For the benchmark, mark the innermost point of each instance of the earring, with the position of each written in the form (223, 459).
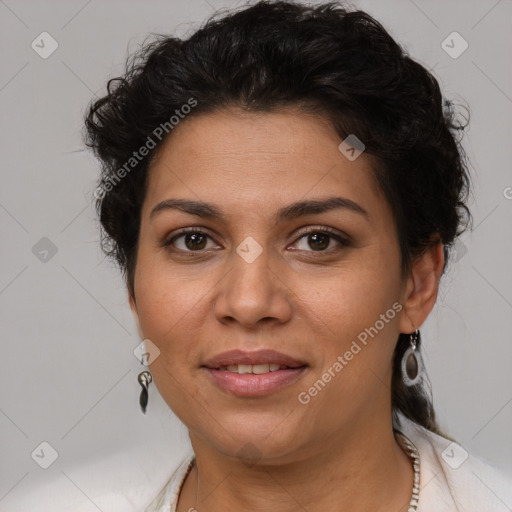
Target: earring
(144, 379)
(412, 363)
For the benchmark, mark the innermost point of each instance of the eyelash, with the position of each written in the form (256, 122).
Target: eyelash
(344, 241)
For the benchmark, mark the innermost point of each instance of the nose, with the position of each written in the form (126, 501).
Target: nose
(253, 291)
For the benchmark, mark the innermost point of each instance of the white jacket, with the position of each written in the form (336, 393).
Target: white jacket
(449, 482)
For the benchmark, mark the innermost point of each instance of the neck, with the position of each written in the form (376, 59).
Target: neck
(362, 470)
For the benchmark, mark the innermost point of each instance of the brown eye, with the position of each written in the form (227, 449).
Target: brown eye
(189, 241)
(320, 240)
(194, 241)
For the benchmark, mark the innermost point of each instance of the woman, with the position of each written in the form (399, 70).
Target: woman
(280, 191)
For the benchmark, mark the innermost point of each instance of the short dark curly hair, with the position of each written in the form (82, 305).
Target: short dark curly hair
(324, 59)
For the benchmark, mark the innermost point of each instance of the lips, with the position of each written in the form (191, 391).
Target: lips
(253, 374)
(257, 358)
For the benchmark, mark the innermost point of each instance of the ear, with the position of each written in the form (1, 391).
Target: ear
(133, 307)
(422, 285)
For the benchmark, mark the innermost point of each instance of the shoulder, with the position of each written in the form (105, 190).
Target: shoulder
(116, 482)
(452, 479)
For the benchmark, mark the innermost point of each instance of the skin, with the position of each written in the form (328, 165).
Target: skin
(337, 451)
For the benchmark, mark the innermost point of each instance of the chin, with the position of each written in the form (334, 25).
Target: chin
(255, 439)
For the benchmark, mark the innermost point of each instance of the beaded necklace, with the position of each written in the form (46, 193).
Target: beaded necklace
(413, 454)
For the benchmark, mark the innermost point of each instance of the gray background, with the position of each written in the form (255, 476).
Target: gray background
(68, 373)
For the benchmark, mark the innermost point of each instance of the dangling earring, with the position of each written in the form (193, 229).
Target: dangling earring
(144, 378)
(412, 363)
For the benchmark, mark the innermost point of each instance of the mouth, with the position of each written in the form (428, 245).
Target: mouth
(255, 369)
(253, 374)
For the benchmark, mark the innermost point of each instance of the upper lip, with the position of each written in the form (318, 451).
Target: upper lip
(265, 356)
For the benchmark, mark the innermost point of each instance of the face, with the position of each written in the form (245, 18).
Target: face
(319, 285)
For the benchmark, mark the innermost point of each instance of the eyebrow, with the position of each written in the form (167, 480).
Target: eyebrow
(290, 212)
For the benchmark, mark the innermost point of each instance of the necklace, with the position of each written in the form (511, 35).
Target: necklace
(413, 454)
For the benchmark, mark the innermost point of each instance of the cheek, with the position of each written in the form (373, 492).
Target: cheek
(354, 311)
(168, 308)
(168, 313)
(354, 330)
(164, 295)
(346, 300)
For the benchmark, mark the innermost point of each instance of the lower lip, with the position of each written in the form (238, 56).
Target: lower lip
(249, 384)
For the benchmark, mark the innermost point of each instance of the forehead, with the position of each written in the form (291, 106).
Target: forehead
(242, 135)
(259, 160)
